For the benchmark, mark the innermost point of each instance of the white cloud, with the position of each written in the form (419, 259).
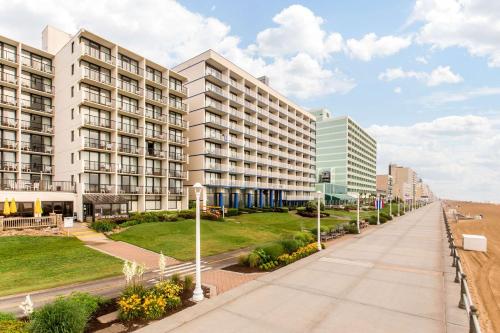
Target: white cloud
(456, 155)
(472, 25)
(440, 98)
(299, 30)
(440, 75)
(422, 60)
(371, 46)
(397, 90)
(169, 33)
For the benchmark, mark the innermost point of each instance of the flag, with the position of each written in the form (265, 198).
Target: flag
(379, 203)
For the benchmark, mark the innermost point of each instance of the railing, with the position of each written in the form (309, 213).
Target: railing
(177, 105)
(8, 122)
(131, 189)
(99, 188)
(177, 174)
(37, 64)
(173, 138)
(96, 121)
(152, 171)
(128, 128)
(460, 277)
(129, 149)
(37, 167)
(36, 127)
(178, 87)
(156, 115)
(8, 55)
(97, 76)
(98, 54)
(97, 144)
(155, 96)
(155, 134)
(8, 166)
(176, 121)
(177, 156)
(129, 107)
(175, 190)
(155, 190)
(37, 148)
(129, 87)
(8, 77)
(33, 84)
(37, 106)
(6, 99)
(98, 166)
(155, 153)
(43, 185)
(129, 67)
(29, 222)
(97, 98)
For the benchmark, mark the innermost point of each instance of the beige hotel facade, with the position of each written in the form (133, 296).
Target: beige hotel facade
(92, 128)
(249, 145)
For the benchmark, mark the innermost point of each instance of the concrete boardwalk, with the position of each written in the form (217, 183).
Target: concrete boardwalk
(394, 278)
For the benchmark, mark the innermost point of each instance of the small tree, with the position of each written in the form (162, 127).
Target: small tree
(312, 206)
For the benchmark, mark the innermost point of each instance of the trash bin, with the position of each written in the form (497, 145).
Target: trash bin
(68, 222)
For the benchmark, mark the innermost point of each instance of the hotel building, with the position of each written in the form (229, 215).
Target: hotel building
(249, 145)
(92, 117)
(404, 182)
(346, 158)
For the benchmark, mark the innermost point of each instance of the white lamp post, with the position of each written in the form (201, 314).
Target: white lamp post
(377, 203)
(390, 205)
(357, 213)
(319, 219)
(198, 292)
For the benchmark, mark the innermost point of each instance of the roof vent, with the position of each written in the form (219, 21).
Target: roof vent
(264, 79)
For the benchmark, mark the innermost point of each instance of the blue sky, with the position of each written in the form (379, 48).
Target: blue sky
(420, 75)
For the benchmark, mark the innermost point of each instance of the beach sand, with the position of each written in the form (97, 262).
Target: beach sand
(482, 269)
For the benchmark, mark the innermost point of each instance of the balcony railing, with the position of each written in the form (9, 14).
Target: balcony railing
(98, 54)
(37, 64)
(43, 185)
(35, 85)
(97, 76)
(8, 77)
(9, 100)
(129, 107)
(129, 189)
(130, 87)
(152, 134)
(155, 190)
(131, 68)
(8, 166)
(215, 151)
(129, 168)
(215, 167)
(8, 122)
(177, 174)
(98, 166)
(175, 191)
(128, 128)
(8, 144)
(177, 105)
(129, 149)
(156, 115)
(97, 98)
(212, 72)
(155, 97)
(155, 153)
(154, 77)
(97, 144)
(176, 121)
(152, 171)
(178, 87)
(177, 156)
(37, 167)
(173, 138)
(37, 147)
(96, 121)
(36, 106)
(8, 55)
(99, 188)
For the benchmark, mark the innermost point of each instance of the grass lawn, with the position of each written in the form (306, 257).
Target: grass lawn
(32, 263)
(177, 239)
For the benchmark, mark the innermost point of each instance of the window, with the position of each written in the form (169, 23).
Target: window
(72, 113)
(72, 91)
(72, 158)
(72, 69)
(72, 47)
(72, 136)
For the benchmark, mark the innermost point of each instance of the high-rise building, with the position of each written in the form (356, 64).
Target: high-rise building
(346, 157)
(249, 145)
(89, 117)
(404, 182)
(384, 186)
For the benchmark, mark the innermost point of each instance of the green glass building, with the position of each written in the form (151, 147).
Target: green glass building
(346, 158)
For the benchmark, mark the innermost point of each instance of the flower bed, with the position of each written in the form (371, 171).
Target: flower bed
(302, 252)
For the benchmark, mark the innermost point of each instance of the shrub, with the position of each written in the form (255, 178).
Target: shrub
(290, 245)
(351, 228)
(304, 238)
(168, 217)
(243, 260)
(232, 212)
(175, 278)
(273, 250)
(210, 216)
(253, 259)
(13, 326)
(4, 316)
(187, 214)
(129, 223)
(268, 265)
(314, 231)
(62, 316)
(87, 302)
(372, 220)
(188, 282)
(312, 206)
(103, 225)
(281, 210)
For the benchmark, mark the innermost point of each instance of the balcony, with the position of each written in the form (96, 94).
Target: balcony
(215, 182)
(130, 88)
(129, 149)
(179, 157)
(37, 148)
(98, 166)
(8, 78)
(216, 167)
(99, 99)
(8, 100)
(179, 139)
(177, 174)
(37, 168)
(8, 144)
(37, 65)
(155, 153)
(235, 169)
(99, 55)
(177, 105)
(177, 191)
(215, 91)
(8, 55)
(44, 185)
(215, 136)
(128, 128)
(158, 79)
(153, 171)
(235, 155)
(178, 122)
(8, 122)
(218, 122)
(236, 85)
(9, 166)
(155, 190)
(215, 151)
(97, 144)
(95, 121)
(129, 67)
(155, 135)
(38, 86)
(128, 169)
(129, 189)
(216, 106)
(97, 76)
(156, 115)
(216, 75)
(99, 188)
(129, 108)
(179, 88)
(156, 97)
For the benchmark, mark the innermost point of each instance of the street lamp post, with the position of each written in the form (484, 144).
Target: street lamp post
(377, 203)
(198, 292)
(390, 205)
(319, 219)
(357, 216)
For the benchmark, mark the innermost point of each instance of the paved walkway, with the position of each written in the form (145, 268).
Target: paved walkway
(393, 279)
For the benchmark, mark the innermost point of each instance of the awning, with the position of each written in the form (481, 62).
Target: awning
(104, 199)
(339, 196)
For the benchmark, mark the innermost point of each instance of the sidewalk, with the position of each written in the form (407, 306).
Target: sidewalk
(394, 279)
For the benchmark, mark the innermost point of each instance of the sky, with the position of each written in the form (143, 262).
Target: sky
(422, 76)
